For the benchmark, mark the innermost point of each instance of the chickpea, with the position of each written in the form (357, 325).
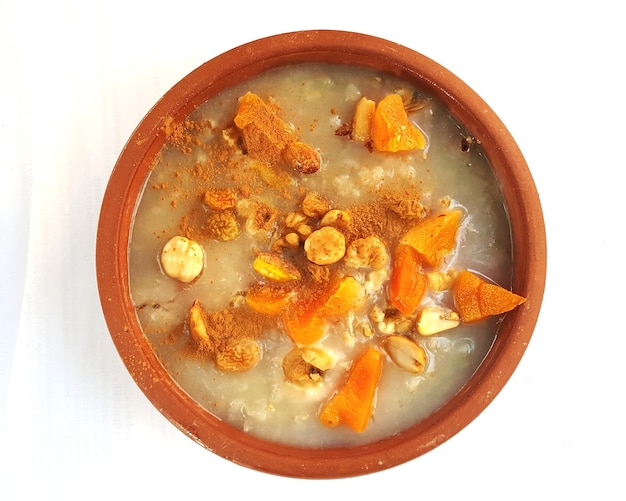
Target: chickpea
(325, 246)
(182, 259)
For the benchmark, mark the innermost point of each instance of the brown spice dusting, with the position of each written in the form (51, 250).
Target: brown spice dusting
(265, 218)
(268, 138)
(184, 135)
(230, 325)
(345, 129)
(391, 214)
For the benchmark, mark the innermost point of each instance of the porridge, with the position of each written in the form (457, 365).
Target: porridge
(321, 255)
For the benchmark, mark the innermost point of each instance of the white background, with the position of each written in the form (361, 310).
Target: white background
(78, 76)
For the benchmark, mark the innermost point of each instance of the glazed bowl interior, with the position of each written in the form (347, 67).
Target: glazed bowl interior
(124, 191)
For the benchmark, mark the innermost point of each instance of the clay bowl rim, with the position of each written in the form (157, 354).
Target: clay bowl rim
(128, 177)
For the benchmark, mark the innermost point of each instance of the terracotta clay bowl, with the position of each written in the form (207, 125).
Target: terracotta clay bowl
(124, 190)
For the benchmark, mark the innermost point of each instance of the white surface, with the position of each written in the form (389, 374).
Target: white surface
(78, 76)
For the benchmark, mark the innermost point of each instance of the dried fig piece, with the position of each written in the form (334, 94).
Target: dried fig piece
(306, 365)
(238, 356)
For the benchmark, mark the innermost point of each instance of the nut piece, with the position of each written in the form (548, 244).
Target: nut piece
(325, 246)
(314, 206)
(362, 122)
(260, 217)
(238, 356)
(223, 199)
(275, 268)
(434, 319)
(369, 252)
(441, 280)
(406, 353)
(292, 240)
(337, 218)
(295, 219)
(306, 365)
(223, 226)
(289, 241)
(182, 259)
(302, 157)
(391, 321)
(304, 230)
(197, 326)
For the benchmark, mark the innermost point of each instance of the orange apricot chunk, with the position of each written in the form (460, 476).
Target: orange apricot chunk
(434, 237)
(268, 300)
(476, 299)
(407, 282)
(264, 133)
(269, 138)
(304, 330)
(353, 404)
(349, 296)
(391, 128)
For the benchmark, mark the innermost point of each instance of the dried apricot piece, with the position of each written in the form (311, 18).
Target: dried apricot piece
(466, 291)
(268, 300)
(304, 330)
(348, 297)
(476, 298)
(495, 300)
(269, 138)
(265, 134)
(391, 128)
(353, 404)
(434, 237)
(407, 283)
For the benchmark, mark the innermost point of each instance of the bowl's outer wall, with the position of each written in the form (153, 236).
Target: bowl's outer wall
(125, 187)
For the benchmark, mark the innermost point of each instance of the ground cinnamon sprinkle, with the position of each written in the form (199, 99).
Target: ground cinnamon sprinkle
(184, 135)
(253, 170)
(392, 213)
(269, 139)
(229, 326)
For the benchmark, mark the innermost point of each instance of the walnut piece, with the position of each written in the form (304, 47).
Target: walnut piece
(295, 219)
(369, 252)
